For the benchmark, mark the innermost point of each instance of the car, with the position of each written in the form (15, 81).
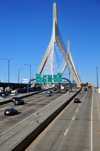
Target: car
(66, 89)
(18, 101)
(76, 100)
(50, 91)
(85, 89)
(2, 97)
(14, 92)
(10, 111)
(58, 90)
(15, 98)
(55, 89)
(48, 94)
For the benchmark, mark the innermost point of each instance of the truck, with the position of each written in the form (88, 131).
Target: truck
(89, 85)
(14, 92)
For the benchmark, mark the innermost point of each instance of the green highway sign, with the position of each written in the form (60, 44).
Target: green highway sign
(43, 78)
(57, 78)
(48, 78)
(38, 75)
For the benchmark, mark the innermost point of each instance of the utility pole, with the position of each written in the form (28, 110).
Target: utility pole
(97, 79)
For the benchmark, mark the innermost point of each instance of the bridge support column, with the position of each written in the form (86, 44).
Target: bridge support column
(3, 89)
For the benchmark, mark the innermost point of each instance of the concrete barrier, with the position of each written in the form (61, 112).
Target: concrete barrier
(31, 136)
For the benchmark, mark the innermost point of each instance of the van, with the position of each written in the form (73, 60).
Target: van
(14, 92)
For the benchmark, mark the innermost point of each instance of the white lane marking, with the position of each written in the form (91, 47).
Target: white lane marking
(73, 118)
(77, 110)
(66, 132)
(92, 122)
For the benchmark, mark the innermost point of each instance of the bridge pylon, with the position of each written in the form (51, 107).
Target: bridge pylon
(55, 38)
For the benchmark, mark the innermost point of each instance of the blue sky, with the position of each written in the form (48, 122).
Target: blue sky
(26, 28)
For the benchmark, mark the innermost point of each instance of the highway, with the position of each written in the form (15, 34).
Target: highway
(31, 115)
(32, 104)
(71, 130)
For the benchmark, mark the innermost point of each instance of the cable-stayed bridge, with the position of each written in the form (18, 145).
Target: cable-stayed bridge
(57, 57)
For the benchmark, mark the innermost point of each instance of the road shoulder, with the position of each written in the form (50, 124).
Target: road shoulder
(96, 122)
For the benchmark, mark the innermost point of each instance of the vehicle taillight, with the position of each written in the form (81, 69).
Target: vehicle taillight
(4, 111)
(9, 111)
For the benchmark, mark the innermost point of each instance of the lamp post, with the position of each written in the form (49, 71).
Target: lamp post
(18, 73)
(8, 68)
(4, 76)
(97, 79)
(30, 68)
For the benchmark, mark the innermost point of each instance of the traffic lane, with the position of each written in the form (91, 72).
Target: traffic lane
(26, 99)
(32, 100)
(66, 132)
(24, 111)
(79, 136)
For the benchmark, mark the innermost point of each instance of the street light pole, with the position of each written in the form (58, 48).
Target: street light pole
(18, 73)
(8, 73)
(4, 76)
(97, 79)
(30, 71)
(8, 69)
(30, 68)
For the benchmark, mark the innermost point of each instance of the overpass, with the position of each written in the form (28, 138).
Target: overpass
(13, 85)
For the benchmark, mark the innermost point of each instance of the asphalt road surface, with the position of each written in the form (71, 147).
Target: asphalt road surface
(71, 129)
(32, 104)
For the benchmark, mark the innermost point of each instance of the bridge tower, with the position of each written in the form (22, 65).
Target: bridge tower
(56, 39)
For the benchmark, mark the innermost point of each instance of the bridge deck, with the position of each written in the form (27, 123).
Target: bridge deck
(12, 137)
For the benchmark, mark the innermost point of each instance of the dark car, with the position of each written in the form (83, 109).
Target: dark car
(15, 98)
(10, 111)
(50, 91)
(76, 100)
(55, 89)
(85, 89)
(18, 101)
(66, 89)
(58, 90)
